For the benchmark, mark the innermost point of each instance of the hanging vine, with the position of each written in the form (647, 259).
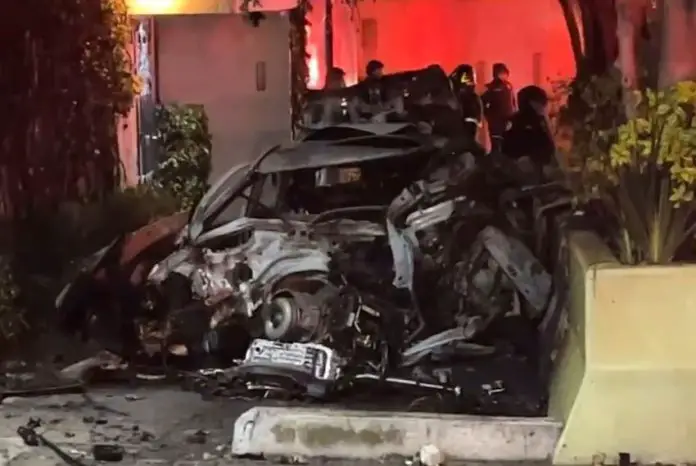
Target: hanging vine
(299, 71)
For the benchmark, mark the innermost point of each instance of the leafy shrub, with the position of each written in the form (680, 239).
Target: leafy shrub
(43, 253)
(12, 319)
(643, 168)
(186, 143)
(61, 145)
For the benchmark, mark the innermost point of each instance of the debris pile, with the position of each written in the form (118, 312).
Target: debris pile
(364, 255)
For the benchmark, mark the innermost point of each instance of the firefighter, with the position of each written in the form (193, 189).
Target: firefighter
(528, 134)
(372, 93)
(335, 79)
(330, 109)
(374, 69)
(499, 104)
(463, 80)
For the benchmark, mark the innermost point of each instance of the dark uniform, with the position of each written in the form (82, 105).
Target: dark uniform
(499, 104)
(463, 80)
(373, 92)
(528, 134)
(335, 79)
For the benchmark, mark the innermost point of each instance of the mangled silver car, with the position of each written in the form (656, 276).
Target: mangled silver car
(355, 254)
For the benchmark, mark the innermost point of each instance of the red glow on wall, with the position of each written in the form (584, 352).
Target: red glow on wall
(346, 46)
(314, 78)
(530, 36)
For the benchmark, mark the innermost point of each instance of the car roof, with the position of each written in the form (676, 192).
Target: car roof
(349, 144)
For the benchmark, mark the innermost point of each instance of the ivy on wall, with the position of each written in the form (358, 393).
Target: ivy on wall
(183, 135)
(299, 72)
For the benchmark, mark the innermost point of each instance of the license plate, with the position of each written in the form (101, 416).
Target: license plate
(349, 175)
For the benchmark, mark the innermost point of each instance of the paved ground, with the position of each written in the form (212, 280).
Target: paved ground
(162, 426)
(155, 426)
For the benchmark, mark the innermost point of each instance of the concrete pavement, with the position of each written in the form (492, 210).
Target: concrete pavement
(155, 425)
(161, 426)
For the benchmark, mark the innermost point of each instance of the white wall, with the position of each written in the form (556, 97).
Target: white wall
(212, 60)
(530, 36)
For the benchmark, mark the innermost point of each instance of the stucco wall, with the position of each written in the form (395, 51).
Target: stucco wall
(212, 60)
(530, 36)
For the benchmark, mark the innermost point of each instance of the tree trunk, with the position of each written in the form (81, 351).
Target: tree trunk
(573, 20)
(628, 13)
(594, 21)
(677, 61)
(632, 18)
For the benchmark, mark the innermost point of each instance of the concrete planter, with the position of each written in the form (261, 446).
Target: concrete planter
(626, 377)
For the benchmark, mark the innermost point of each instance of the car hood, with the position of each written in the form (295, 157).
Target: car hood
(228, 185)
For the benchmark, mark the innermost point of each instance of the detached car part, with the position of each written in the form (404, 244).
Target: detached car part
(309, 367)
(109, 289)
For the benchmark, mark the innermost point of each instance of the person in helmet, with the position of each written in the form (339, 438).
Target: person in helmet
(463, 80)
(498, 104)
(374, 69)
(327, 106)
(373, 93)
(528, 134)
(335, 79)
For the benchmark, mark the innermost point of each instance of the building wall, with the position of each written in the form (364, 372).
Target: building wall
(530, 36)
(215, 60)
(127, 134)
(346, 49)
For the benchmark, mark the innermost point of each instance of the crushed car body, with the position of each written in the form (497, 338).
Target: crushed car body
(353, 255)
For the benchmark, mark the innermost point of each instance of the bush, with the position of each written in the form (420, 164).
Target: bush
(59, 158)
(42, 254)
(12, 319)
(643, 169)
(186, 145)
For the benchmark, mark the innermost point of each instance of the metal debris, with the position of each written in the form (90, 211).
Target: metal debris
(32, 438)
(493, 388)
(332, 277)
(198, 437)
(108, 453)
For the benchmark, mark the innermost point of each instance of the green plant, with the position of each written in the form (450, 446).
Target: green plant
(68, 77)
(46, 251)
(644, 169)
(299, 71)
(186, 144)
(12, 319)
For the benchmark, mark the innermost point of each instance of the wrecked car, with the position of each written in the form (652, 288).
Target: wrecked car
(423, 97)
(354, 254)
(293, 246)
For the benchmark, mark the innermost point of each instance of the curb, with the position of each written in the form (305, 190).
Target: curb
(369, 435)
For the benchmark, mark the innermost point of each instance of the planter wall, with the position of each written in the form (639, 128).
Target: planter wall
(626, 375)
